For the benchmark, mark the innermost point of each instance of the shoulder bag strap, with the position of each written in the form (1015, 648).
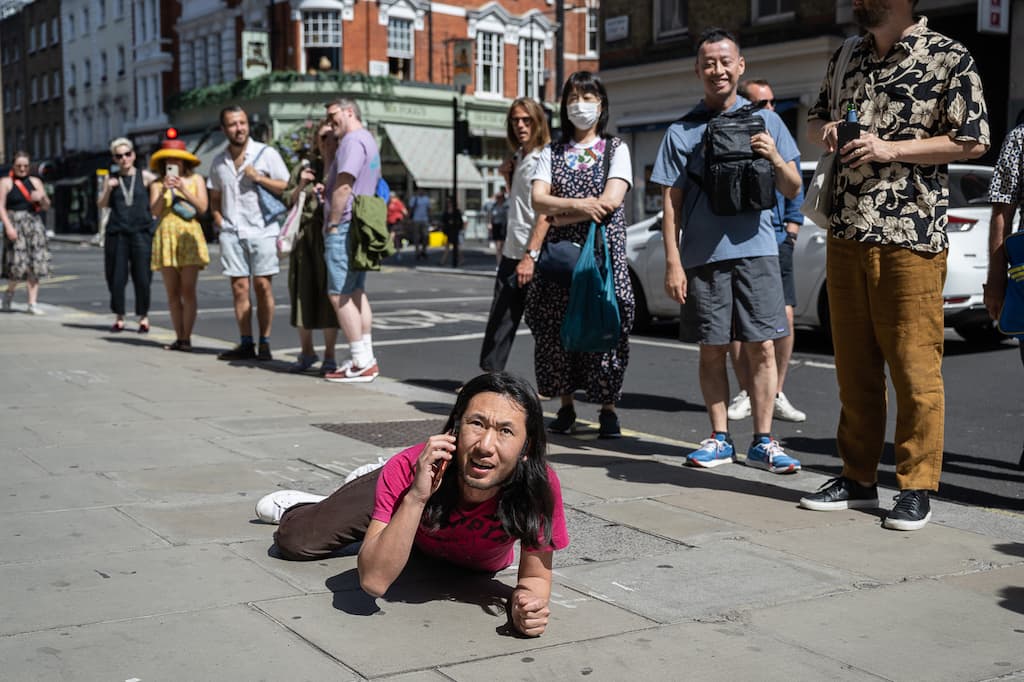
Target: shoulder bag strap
(21, 188)
(839, 72)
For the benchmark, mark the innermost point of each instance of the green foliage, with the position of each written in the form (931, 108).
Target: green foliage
(295, 144)
(243, 90)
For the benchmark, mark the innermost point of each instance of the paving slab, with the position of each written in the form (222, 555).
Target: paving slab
(273, 425)
(40, 536)
(130, 454)
(335, 573)
(19, 468)
(309, 444)
(231, 643)
(711, 581)
(242, 407)
(867, 549)
(201, 522)
(250, 478)
(55, 493)
(594, 539)
(432, 628)
(690, 651)
(104, 432)
(658, 518)
(928, 630)
(85, 413)
(58, 593)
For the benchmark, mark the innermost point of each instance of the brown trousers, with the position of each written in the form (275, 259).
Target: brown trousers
(886, 308)
(313, 531)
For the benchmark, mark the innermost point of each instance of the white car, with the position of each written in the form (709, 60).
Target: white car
(969, 213)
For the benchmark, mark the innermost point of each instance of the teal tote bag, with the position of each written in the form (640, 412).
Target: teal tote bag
(592, 323)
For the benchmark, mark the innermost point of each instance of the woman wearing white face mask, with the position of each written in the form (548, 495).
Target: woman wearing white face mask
(581, 178)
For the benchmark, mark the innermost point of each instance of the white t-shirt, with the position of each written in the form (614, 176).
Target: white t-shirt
(520, 207)
(239, 202)
(584, 156)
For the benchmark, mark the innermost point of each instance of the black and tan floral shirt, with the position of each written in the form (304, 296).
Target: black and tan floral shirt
(926, 86)
(1008, 177)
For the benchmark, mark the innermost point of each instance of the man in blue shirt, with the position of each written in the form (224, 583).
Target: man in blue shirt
(724, 270)
(787, 219)
(419, 209)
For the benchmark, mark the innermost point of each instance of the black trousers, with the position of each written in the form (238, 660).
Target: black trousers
(506, 311)
(128, 253)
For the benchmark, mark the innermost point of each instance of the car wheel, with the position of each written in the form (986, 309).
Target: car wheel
(642, 315)
(985, 333)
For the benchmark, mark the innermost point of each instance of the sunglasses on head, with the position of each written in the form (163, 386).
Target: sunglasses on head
(118, 157)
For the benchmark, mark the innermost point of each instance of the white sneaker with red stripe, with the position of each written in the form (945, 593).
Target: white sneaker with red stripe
(350, 374)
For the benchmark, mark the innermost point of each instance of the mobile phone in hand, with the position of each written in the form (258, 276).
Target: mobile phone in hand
(442, 464)
(172, 171)
(848, 131)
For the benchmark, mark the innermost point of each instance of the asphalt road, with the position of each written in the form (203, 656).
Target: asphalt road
(427, 330)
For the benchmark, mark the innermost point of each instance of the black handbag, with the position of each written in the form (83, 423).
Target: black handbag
(557, 261)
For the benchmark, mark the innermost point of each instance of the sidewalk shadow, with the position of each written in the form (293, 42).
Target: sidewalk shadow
(1012, 599)
(627, 445)
(144, 341)
(443, 385)
(425, 580)
(441, 409)
(104, 328)
(660, 403)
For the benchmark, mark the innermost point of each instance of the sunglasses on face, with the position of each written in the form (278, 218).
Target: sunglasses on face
(118, 157)
(525, 120)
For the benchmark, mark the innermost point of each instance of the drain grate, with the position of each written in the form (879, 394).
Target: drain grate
(388, 434)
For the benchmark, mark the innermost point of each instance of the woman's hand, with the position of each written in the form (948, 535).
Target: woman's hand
(524, 271)
(172, 182)
(10, 233)
(592, 207)
(438, 449)
(306, 176)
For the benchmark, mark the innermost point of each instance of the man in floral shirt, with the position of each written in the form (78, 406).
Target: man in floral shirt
(1006, 193)
(919, 101)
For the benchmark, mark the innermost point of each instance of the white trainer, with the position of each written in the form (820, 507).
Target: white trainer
(739, 408)
(272, 507)
(34, 309)
(365, 469)
(785, 411)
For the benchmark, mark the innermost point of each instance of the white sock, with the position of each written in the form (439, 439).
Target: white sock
(361, 356)
(368, 340)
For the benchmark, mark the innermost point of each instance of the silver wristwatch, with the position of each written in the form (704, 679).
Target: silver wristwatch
(534, 254)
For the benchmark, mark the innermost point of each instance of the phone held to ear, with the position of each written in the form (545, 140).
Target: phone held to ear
(442, 464)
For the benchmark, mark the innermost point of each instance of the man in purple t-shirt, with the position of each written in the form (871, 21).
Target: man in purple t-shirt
(355, 170)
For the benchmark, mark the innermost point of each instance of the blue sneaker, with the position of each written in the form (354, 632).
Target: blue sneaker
(769, 455)
(712, 452)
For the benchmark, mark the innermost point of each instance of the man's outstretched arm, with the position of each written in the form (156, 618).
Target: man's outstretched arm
(532, 593)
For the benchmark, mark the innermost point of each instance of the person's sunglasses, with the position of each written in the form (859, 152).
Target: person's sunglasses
(325, 136)
(525, 120)
(769, 102)
(118, 157)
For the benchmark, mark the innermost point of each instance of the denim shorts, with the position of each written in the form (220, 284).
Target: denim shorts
(739, 298)
(248, 257)
(341, 280)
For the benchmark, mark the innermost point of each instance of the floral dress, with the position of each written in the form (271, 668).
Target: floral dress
(576, 173)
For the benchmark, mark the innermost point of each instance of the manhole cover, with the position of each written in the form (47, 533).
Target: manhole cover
(388, 434)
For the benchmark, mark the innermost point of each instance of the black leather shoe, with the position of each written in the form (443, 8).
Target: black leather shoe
(609, 424)
(564, 420)
(911, 511)
(243, 351)
(841, 493)
(263, 355)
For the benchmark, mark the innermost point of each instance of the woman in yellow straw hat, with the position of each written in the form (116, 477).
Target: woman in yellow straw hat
(176, 199)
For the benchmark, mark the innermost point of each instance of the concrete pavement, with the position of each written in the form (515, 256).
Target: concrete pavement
(131, 552)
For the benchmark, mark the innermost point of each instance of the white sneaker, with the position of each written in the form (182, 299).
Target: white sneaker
(34, 309)
(272, 507)
(365, 469)
(739, 408)
(785, 411)
(354, 375)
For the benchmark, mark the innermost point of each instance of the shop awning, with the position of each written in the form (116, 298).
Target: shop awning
(427, 155)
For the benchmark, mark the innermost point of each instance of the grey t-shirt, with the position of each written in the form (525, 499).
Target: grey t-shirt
(706, 237)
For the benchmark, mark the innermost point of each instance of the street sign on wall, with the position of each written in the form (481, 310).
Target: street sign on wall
(255, 54)
(994, 16)
(462, 61)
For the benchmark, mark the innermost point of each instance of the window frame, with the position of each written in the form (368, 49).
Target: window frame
(779, 15)
(528, 49)
(661, 34)
(497, 68)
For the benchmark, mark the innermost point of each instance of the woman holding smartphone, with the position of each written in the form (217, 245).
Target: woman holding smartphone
(176, 199)
(580, 179)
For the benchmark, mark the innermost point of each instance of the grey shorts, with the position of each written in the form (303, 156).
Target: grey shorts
(248, 257)
(786, 268)
(737, 299)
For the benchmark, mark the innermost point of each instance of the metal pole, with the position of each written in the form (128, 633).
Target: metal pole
(559, 48)
(455, 145)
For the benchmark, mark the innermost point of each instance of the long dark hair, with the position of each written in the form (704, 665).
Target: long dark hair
(525, 503)
(582, 82)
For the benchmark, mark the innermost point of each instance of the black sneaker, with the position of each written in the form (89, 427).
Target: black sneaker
(243, 351)
(911, 511)
(841, 493)
(609, 424)
(564, 420)
(264, 352)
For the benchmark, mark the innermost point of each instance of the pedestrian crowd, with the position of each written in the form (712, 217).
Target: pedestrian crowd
(469, 494)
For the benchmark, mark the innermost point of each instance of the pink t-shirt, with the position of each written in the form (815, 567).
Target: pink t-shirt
(473, 537)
